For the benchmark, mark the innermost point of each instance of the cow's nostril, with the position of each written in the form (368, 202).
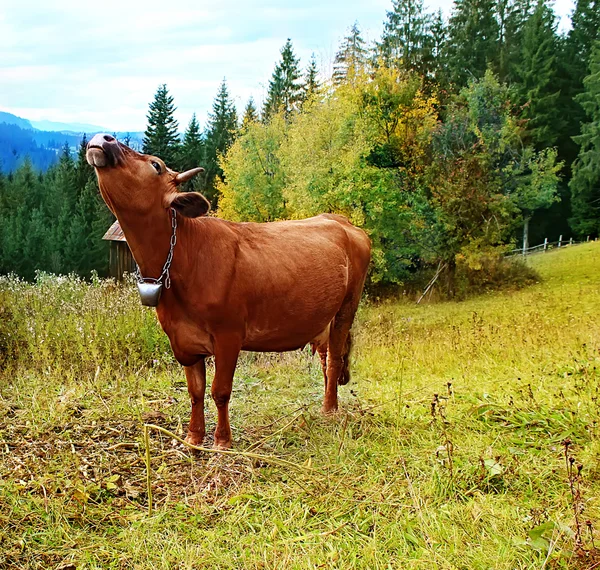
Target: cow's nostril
(108, 138)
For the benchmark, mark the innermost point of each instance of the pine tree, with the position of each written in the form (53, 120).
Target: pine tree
(84, 172)
(191, 152)
(250, 114)
(285, 90)
(351, 58)
(101, 221)
(511, 15)
(438, 38)
(574, 64)
(23, 196)
(161, 138)
(536, 77)
(59, 206)
(585, 184)
(585, 31)
(84, 249)
(311, 82)
(406, 41)
(220, 134)
(473, 39)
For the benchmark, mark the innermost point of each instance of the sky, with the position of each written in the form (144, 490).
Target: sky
(100, 62)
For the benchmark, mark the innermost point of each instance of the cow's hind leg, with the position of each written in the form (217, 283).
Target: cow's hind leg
(196, 383)
(344, 377)
(227, 351)
(322, 350)
(338, 354)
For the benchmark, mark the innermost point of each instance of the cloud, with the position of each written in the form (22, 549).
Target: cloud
(101, 62)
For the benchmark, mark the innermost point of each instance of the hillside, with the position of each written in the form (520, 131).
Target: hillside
(448, 450)
(42, 141)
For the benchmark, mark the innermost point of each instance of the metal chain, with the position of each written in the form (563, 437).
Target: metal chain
(165, 271)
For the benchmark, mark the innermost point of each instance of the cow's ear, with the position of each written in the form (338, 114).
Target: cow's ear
(190, 204)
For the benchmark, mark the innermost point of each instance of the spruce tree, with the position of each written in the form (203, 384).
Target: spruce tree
(250, 114)
(220, 133)
(84, 248)
(351, 58)
(161, 138)
(511, 15)
(585, 183)
(406, 41)
(473, 39)
(311, 82)
(438, 38)
(574, 64)
(536, 77)
(584, 32)
(83, 171)
(191, 152)
(285, 89)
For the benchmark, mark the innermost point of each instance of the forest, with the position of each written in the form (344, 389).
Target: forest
(448, 141)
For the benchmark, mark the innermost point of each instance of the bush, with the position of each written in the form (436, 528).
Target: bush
(494, 274)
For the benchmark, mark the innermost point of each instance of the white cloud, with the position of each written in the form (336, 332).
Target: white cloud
(101, 62)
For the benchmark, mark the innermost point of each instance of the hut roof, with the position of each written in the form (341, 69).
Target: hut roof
(114, 233)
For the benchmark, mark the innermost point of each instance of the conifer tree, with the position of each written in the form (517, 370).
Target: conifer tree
(536, 77)
(311, 82)
(511, 15)
(192, 148)
(161, 138)
(438, 38)
(84, 172)
(585, 31)
(585, 183)
(285, 89)
(575, 60)
(406, 41)
(61, 185)
(220, 134)
(84, 248)
(473, 39)
(250, 114)
(351, 58)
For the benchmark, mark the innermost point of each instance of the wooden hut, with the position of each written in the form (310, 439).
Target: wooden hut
(121, 261)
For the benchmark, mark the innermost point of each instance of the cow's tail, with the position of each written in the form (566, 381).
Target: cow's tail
(345, 373)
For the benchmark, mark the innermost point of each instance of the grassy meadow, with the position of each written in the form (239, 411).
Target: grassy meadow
(468, 438)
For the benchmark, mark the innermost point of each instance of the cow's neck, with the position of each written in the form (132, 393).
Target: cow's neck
(149, 239)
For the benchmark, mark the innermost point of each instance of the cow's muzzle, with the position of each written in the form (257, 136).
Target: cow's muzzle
(103, 150)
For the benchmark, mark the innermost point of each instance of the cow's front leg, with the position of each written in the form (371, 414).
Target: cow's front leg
(196, 383)
(227, 350)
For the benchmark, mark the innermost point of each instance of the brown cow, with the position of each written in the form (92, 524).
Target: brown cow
(234, 286)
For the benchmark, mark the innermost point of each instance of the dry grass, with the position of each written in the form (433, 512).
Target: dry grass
(448, 451)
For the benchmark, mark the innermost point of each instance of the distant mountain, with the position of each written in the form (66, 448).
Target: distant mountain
(11, 119)
(43, 141)
(16, 144)
(68, 127)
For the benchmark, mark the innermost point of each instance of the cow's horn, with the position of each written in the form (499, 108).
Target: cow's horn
(187, 175)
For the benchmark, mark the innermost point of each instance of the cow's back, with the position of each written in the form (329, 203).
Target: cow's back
(281, 282)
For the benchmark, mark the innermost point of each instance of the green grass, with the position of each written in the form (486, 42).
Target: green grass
(474, 477)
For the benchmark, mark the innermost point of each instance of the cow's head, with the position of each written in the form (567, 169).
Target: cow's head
(140, 183)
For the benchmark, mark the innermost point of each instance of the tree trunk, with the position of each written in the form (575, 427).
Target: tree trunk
(451, 278)
(525, 235)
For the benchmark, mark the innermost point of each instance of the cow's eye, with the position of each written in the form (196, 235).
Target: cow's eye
(156, 166)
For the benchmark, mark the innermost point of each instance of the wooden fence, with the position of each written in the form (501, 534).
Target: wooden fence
(547, 245)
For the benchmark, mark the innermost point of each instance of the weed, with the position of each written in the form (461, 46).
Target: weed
(515, 375)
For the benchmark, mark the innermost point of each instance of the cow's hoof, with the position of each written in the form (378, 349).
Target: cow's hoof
(222, 445)
(329, 410)
(194, 438)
